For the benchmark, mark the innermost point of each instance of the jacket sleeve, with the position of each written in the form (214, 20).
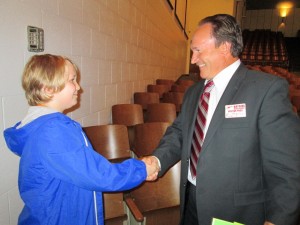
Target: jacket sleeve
(279, 132)
(173, 146)
(169, 149)
(68, 155)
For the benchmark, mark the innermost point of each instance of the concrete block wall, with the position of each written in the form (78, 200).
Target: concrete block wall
(120, 46)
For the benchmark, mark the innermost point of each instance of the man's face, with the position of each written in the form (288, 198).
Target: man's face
(209, 58)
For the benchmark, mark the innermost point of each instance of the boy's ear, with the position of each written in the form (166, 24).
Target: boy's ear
(48, 91)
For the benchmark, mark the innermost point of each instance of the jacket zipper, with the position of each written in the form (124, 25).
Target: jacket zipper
(94, 193)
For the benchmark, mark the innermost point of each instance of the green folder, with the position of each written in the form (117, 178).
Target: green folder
(216, 221)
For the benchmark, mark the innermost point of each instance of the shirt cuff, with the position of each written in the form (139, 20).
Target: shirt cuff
(158, 162)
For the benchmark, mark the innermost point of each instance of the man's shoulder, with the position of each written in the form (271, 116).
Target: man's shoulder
(260, 76)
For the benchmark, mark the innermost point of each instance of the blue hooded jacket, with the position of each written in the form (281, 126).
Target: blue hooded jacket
(61, 177)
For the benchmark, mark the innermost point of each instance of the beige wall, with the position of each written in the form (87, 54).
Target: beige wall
(199, 9)
(119, 45)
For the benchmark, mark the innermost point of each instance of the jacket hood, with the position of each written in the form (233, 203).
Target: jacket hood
(16, 138)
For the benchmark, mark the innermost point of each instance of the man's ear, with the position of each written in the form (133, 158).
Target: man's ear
(225, 48)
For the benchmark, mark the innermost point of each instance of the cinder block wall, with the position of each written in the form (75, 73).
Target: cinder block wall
(119, 45)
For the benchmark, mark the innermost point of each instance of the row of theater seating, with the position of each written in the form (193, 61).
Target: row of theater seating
(264, 47)
(292, 79)
(135, 132)
(163, 91)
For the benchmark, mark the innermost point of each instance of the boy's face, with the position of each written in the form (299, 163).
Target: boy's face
(67, 97)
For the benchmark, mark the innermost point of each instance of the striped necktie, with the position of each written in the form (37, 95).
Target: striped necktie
(198, 136)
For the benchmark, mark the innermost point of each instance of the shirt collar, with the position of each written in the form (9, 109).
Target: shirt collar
(222, 79)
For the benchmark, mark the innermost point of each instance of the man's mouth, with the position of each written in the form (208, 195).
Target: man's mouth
(201, 65)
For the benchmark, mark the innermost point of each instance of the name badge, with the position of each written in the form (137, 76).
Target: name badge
(235, 111)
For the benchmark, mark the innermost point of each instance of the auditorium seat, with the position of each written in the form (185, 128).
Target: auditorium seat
(128, 115)
(186, 82)
(167, 82)
(111, 141)
(114, 209)
(264, 47)
(158, 88)
(179, 88)
(175, 98)
(148, 136)
(161, 112)
(145, 98)
(158, 201)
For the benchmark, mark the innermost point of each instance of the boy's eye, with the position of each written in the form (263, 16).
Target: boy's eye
(73, 79)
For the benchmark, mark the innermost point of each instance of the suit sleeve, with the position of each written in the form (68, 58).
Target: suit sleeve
(170, 146)
(279, 132)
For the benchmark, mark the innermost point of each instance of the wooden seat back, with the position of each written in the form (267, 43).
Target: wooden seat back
(161, 112)
(175, 98)
(145, 98)
(159, 201)
(111, 141)
(127, 114)
(167, 82)
(148, 136)
(158, 88)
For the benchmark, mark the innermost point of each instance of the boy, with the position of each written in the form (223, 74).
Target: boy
(61, 177)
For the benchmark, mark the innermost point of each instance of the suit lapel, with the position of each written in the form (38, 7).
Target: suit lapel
(227, 98)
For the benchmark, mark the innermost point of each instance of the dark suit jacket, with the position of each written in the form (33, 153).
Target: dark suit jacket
(249, 168)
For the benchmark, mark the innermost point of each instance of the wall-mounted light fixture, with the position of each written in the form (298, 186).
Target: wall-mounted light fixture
(284, 9)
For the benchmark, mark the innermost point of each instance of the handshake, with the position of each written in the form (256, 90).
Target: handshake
(152, 167)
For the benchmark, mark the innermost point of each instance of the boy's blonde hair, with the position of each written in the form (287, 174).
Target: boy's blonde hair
(44, 74)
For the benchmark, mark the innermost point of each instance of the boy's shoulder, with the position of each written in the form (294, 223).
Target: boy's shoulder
(55, 119)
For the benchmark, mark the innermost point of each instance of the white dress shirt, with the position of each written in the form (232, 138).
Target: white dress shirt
(220, 81)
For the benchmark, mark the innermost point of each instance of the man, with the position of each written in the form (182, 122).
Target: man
(248, 168)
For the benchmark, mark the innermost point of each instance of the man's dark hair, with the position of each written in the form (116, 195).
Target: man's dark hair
(226, 29)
